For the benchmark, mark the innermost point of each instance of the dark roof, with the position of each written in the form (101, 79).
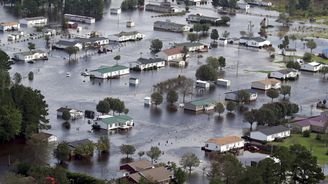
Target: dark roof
(273, 130)
(150, 60)
(93, 39)
(67, 43)
(62, 109)
(139, 165)
(75, 144)
(287, 71)
(251, 91)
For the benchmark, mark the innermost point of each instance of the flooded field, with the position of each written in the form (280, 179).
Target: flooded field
(174, 132)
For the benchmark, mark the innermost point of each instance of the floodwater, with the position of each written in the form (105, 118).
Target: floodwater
(175, 133)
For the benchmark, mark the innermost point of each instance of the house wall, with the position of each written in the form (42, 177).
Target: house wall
(224, 148)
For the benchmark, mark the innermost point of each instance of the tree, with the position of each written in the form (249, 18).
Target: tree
(189, 160)
(311, 45)
(192, 37)
(225, 34)
(117, 58)
(269, 170)
(17, 78)
(243, 96)
(103, 107)
(10, 123)
(225, 169)
(285, 43)
(156, 45)
(324, 71)
(129, 4)
(251, 175)
(205, 28)
(307, 57)
(85, 150)
(214, 35)
(30, 46)
(180, 176)
(157, 98)
(265, 116)
(141, 153)
(30, 76)
(219, 108)
(213, 62)
(272, 93)
(285, 90)
(103, 144)
(172, 97)
(70, 51)
(61, 153)
(154, 153)
(4, 61)
(231, 106)
(206, 73)
(186, 87)
(250, 117)
(197, 28)
(66, 115)
(127, 149)
(222, 62)
(293, 65)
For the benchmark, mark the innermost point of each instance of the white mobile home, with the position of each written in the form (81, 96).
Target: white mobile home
(9, 26)
(200, 105)
(144, 64)
(202, 84)
(257, 42)
(223, 82)
(171, 26)
(79, 18)
(104, 72)
(311, 67)
(270, 133)
(34, 21)
(171, 54)
(108, 122)
(126, 36)
(224, 144)
(284, 74)
(31, 55)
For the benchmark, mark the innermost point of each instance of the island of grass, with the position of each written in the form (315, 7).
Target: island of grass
(319, 148)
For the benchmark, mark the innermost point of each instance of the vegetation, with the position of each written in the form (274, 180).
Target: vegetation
(61, 153)
(231, 106)
(285, 90)
(157, 98)
(85, 150)
(206, 73)
(225, 3)
(250, 117)
(324, 71)
(117, 58)
(91, 8)
(17, 78)
(189, 160)
(214, 35)
(156, 45)
(219, 108)
(307, 57)
(172, 97)
(272, 93)
(243, 96)
(293, 65)
(129, 5)
(222, 62)
(103, 144)
(70, 51)
(103, 107)
(30, 46)
(30, 76)
(127, 150)
(154, 153)
(192, 37)
(311, 45)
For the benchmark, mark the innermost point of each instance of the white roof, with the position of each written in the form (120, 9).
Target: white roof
(314, 63)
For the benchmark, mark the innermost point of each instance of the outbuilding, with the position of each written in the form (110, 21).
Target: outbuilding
(266, 84)
(34, 21)
(269, 134)
(284, 74)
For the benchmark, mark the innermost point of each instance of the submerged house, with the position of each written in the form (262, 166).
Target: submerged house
(126, 36)
(159, 175)
(31, 55)
(108, 122)
(192, 46)
(9, 26)
(79, 18)
(202, 19)
(234, 95)
(104, 72)
(311, 67)
(266, 84)
(144, 64)
(34, 21)
(75, 114)
(200, 105)
(223, 144)
(171, 26)
(257, 42)
(172, 54)
(63, 44)
(270, 133)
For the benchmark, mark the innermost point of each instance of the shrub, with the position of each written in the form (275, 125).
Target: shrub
(306, 133)
(318, 137)
(66, 125)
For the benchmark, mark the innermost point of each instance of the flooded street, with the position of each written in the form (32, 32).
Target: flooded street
(175, 133)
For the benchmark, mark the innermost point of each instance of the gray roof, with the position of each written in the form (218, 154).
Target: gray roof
(188, 44)
(75, 144)
(150, 60)
(93, 39)
(251, 91)
(27, 53)
(273, 130)
(258, 39)
(67, 43)
(168, 23)
(287, 71)
(123, 33)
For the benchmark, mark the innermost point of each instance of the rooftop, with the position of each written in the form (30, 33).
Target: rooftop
(75, 144)
(273, 130)
(287, 71)
(205, 101)
(140, 165)
(130, 33)
(108, 69)
(269, 81)
(224, 140)
(62, 109)
(116, 119)
(251, 91)
(158, 174)
(67, 43)
(173, 51)
(35, 18)
(188, 44)
(168, 23)
(9, 23)
(28, 53)
(150, 60)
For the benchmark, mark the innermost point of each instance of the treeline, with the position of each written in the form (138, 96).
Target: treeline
(23, 111)
(305, 8)
(92, 8)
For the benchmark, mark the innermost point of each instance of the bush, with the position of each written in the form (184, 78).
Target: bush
(306, 133)
(318, 137)
(66, 125)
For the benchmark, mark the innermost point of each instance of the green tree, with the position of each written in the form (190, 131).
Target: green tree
(117, 58)
(219, 108)
(324, 71)
(307, 57)
(213, 62)
(103, 107)
(192, 37)
(206, 73)
(231, 106)
(225, 34)
(17, 78)
(250, 117)
(156, 45)
(269, 171)
(103, 144)
(30, 46)
(222, 62)
(61, 153)
(30, 76)
(265, 116)
(157, 98)
(311, 45)
(66, 115)
(189, 160)
(285, 43)
(214, 35)
(251, 175)
(180, 176)
(70, 51)
(243, 96)
(4, 61)
(272, 93)
(10, 123)
(127, 150)
(4, 79)
(154, 153)
(293, 65)
(129, 4)
(85, 150)
(285, 90)
(172, 97)
(141, 153)
(197, 28)
(186, 87)
(205, 28)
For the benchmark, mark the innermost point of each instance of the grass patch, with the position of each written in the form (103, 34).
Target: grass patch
(318, 148)
(319, 59)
